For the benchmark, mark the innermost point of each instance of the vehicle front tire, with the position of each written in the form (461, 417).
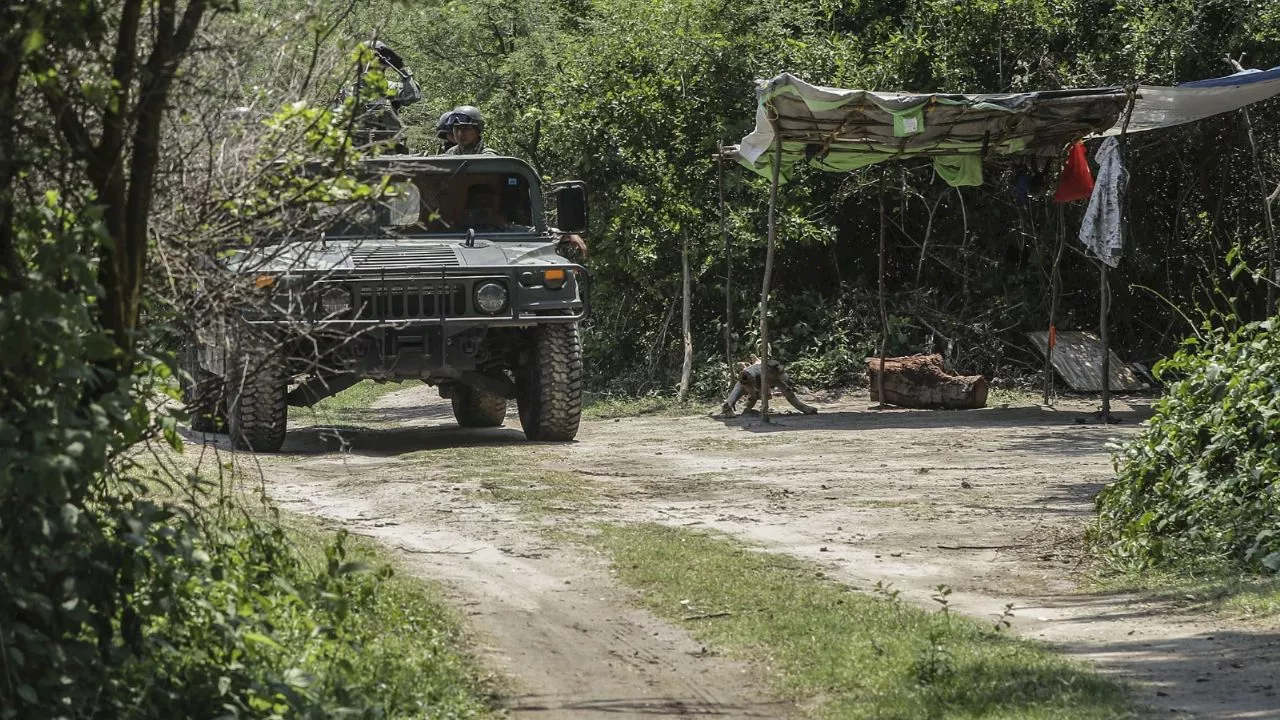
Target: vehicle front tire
(549, 390)
(474, 408)
(257, 384)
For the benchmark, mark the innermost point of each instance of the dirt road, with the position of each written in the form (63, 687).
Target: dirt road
(989, 502)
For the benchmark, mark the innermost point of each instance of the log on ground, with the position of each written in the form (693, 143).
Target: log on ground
(923, 381)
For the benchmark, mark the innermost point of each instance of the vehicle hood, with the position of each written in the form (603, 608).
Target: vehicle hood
(379, 256)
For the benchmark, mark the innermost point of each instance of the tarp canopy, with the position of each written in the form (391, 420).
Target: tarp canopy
(840, 130)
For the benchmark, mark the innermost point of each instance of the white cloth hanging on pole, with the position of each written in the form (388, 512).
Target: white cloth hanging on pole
(1101, 231)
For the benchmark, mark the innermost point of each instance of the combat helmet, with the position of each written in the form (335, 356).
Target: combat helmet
(467, 115)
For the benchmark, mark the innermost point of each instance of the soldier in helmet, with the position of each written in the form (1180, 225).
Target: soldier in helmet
(467, 125)
(444, 132)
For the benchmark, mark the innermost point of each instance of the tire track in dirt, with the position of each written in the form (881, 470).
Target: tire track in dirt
(549, 617)
(989, 502)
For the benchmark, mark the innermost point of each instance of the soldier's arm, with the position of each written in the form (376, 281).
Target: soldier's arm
(573, 247)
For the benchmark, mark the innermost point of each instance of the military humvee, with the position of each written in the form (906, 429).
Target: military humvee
(453, 279)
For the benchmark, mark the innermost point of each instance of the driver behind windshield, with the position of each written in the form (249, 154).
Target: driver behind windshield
(481, 209)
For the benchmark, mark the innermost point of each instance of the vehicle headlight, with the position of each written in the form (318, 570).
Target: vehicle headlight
(491, 297)
(335, 301)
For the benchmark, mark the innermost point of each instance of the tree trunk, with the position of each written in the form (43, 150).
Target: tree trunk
(686, 374)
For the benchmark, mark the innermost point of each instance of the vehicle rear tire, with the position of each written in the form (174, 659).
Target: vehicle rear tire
(202, 393)
(549, 389)
(257, 384)
(474, 408)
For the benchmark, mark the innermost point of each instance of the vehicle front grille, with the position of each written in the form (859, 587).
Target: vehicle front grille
(410, 301)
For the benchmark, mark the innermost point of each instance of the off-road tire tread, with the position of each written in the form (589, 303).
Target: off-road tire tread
(551, 401)
(258, 414)
(474, 408)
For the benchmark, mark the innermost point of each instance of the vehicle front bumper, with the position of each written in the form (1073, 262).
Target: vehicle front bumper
(439, 297)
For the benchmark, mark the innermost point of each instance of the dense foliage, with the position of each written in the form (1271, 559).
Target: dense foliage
(126, 594)
(1199, 485)
(634, 97)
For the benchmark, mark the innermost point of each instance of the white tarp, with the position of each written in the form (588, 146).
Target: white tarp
(1158, 106)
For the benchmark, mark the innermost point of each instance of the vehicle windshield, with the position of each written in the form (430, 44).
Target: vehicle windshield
(450, 203)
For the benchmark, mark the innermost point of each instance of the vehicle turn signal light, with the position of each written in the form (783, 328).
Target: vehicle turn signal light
(554, 278)
(264, 281)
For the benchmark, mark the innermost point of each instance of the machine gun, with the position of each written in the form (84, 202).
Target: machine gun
(379, 120)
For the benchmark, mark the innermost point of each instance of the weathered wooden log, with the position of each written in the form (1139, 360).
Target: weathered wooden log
(922, 381)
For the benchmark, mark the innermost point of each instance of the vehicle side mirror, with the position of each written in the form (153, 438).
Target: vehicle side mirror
(571, 206)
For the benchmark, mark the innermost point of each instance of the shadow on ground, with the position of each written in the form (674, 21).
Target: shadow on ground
(896, 418)
(394, 441)
(1196, 665)
(345, 438)
(630, 707)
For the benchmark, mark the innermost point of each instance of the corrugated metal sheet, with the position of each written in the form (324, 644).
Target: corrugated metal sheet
(1077, 356)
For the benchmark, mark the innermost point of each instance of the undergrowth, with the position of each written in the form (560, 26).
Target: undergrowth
(1197, 488)
(254, 628)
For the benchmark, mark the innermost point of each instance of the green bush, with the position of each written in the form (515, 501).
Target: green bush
(246, 627)
(1199, 485)
(116, 602)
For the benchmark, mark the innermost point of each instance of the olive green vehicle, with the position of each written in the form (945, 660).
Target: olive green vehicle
(453, 279)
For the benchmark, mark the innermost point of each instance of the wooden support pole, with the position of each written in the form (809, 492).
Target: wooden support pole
(884, 312)
(1055, 289)
(1266, 213)
(1105, 292)
(768, 274)
(1273, 271)
(1266, 200)
(1104, 289)
(728, 269)
(686, 291)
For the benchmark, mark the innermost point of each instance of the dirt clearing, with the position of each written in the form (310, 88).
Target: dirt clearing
(989, 502)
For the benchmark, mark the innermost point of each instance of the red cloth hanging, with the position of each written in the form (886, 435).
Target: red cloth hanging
(1076, 181)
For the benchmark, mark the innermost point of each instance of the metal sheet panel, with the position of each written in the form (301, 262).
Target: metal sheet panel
(1077, 356)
